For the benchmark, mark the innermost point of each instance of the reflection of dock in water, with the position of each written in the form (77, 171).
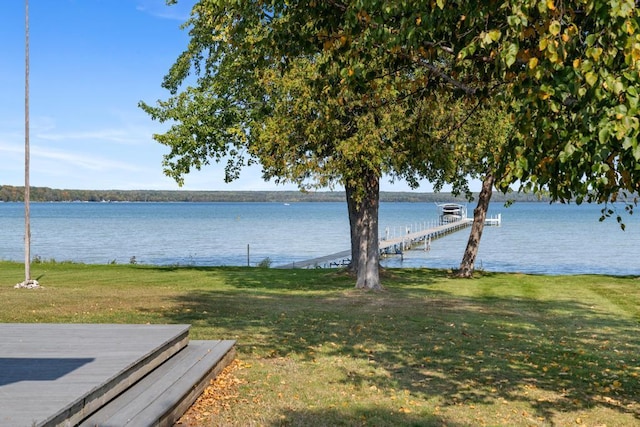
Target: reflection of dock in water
(396, 245)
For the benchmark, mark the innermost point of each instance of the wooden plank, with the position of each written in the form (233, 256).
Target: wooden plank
(160, 398)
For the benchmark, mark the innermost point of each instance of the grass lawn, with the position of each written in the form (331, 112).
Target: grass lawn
(430, 350)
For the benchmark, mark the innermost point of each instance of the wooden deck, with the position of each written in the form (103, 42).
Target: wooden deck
(79, 374)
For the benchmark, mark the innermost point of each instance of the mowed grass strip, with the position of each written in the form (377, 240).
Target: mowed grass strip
(500, 349)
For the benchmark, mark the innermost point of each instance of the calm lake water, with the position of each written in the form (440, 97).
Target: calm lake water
(533, 238)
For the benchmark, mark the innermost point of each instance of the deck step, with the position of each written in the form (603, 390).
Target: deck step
(72, 370)
(161, 397)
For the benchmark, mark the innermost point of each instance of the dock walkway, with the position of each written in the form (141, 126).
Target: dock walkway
(394, 245)
(398, 244)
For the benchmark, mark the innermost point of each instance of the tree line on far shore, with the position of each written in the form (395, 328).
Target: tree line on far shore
(9, 193)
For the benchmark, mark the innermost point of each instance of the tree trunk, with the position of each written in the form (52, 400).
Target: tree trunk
(350, 192)
(363, 221)
(467, 266)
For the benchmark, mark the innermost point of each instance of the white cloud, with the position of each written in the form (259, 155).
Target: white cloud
(112, 135)
(92, 162)
(11, 148)
(126, 131)
(42, 124)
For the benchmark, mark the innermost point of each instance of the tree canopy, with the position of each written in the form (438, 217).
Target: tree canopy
(265, 91)
(344, 91)
(567, 69)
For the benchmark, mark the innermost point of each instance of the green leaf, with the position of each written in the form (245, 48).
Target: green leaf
(511, 54)
(603, 135)
(636, 152)
(569, 149)
(591, 78)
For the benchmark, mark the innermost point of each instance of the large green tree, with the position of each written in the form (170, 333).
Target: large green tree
(256, 98)
(566, 71)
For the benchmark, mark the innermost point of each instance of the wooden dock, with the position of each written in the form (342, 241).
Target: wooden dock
(396, 245)
(103, 375)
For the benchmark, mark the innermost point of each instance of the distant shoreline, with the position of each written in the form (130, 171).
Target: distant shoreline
(10, 193)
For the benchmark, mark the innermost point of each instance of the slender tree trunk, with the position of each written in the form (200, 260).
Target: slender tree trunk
(467, 266)
(363, 220)
(27, 188)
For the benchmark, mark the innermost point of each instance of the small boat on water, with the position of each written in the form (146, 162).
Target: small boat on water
(451, 212)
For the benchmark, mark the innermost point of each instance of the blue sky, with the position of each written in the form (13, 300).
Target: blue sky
(91, 62)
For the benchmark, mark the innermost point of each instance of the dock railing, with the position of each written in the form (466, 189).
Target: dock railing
(396, 240)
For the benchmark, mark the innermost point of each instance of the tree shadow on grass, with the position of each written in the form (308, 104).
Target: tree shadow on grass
(267, 280)
(555, 356)
(360, 417)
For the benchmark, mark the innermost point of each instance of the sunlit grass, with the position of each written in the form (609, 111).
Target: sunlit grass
(500, 349)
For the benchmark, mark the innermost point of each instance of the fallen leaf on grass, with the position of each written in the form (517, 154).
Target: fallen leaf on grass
(219, 395)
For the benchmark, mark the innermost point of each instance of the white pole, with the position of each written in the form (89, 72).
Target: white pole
(27, 189)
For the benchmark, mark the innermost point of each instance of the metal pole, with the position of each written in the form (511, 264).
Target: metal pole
(27, 190)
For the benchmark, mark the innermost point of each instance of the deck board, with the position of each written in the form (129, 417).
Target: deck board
(163, 396)
(50, 373)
